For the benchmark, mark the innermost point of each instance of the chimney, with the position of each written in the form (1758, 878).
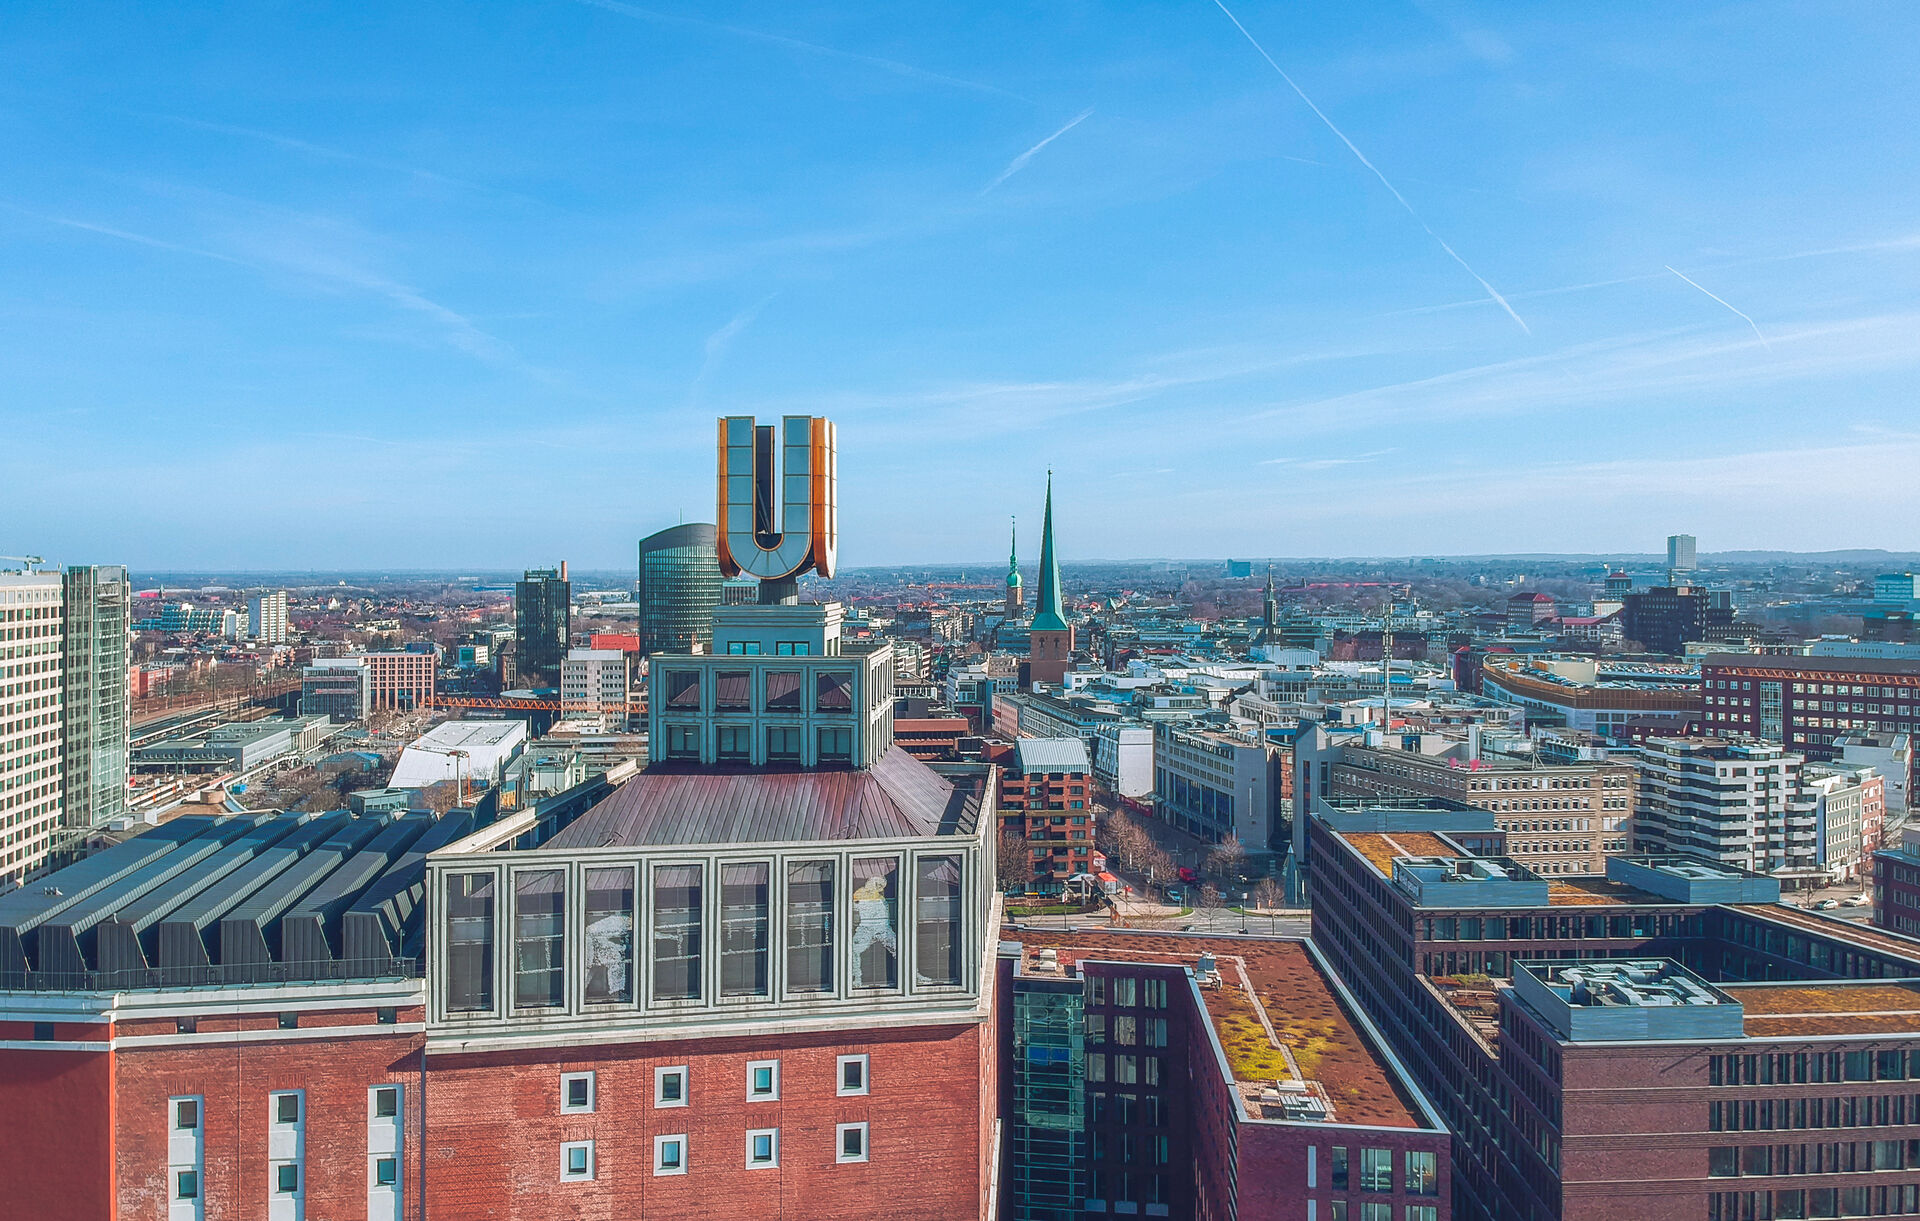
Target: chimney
(563, 570)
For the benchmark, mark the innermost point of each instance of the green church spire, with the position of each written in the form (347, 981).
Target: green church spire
(1047, 613)
(1013, 558)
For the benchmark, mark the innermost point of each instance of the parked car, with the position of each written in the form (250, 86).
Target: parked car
(1176, 895)
(1188, 875)
(1856, 900)
(1826, 905)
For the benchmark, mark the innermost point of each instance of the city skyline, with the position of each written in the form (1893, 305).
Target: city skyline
(500, 291)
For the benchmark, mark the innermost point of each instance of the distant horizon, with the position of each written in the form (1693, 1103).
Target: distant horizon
(1654, 559)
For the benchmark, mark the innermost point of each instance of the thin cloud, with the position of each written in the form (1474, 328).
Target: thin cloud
(716, 345)
(1327, 464)
(321, 151)
(1353, 148)
(893, 66)
(1019, 163)
(124, 235)
(1723, 301)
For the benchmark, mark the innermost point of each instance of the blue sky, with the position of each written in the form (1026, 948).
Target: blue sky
(465, 285)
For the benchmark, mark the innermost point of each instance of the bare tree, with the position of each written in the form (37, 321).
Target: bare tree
(1226, 858)
(1012, 865)
(1267, 894)
(1210, 896)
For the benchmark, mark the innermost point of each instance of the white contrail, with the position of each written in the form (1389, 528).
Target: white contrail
(1019, 163)
(1722, 300)
(1355, 150)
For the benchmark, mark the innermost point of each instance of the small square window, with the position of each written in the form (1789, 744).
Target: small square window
(763, 1148)
(851, 1144)
(852, 1076)
(286, 1178)
(43, 1032)
(576, 1160)
(386, 1016)
(186, 1025)
(289, 1021)
(286, 1108)
(670, 1154)
(186, 1114)
(763, 1079)
(576, 1091)
(186, 1185)
(386, 1171)
(386, 1102)
(670, 1086)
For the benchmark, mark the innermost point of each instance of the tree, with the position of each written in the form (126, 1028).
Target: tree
(1267, 894)
(1012, 865)
(1210, 896)
(1226, 858)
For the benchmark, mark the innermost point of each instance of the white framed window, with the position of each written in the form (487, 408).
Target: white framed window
(670, 1154)
(850, 1076)
(576, 1093)
(186, 1184)
(763, 1148)
(576, 1161)
(286, 1108)
(386, 1171)
(670, 1086)
(763, 1080)
(850, 1142)
(286, 1178)
(385, 1101)
(186, 1114)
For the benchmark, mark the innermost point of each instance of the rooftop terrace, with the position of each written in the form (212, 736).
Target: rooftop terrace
(1277, 1016)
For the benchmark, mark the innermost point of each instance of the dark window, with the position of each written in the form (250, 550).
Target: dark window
(609, 934)
(286, 1108)
(733, 689)
(676, 932)
(683, 689)
(289, 1021)
(810, 926)
(186, 1114)
(186, 1025)
(744, 929)
(386, 1016)
(470, 942)
(386, 1102)
(539, 936)
(386, 1171)
(834, 692)
(938, 920)
(286, 1179)
(186, 1185)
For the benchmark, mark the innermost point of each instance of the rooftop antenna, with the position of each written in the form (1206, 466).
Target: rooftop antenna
(1386, 668)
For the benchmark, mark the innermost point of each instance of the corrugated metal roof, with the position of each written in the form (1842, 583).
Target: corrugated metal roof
(1052, 755)
(898, 798)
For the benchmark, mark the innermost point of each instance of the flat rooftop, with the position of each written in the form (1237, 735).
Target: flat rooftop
(1382, 849)
(1830, 1007)
(1595, 891)
(1862, 935)
(1265, 986)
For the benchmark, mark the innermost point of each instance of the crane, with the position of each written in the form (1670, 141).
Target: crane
(28, 560)
(460, 759)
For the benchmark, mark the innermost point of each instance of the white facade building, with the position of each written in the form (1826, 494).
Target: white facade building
(1123, 758)
(32, 718)
(1743, 803)
(1890, 754)
(267, 617)
(596, 682)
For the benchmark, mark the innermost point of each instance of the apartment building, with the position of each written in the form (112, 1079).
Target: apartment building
(267, 617)
(1046, 799)
(1737, 802)
(32, 719)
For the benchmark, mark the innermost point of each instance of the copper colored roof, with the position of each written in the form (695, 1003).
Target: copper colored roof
(1830, 1007)
(899, 797)
(1382, 849)
(1863, 935)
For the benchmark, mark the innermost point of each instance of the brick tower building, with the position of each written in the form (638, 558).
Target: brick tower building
(1050, 648)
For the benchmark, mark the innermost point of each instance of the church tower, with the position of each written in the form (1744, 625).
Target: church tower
(1016, 592)
(1050, 646)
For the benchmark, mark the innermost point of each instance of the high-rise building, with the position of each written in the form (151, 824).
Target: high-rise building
(595, 682)
(1666, 618)
(267, 617)
(32, 719)
(96, 694)
(1680, 553)
(339, 687)
(1050, 644)
(679, 587)
(543, 625)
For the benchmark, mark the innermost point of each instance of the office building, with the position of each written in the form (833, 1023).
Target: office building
(1046, 799)
(401, 679)
(595, 682)
(542, 626)
(1890, 754)
(1527, 612)
(1666, 618)
(1604, 698)
(1560, 818)
(1896, 588)
(32, 719)
(267, 617)
(1735, 802)
(1188, 1077)
(1123, 758)
(680, 584)
(340, 688)
(96, 695)
(1850, 815)
(1050, 640)
(1810, 703)
(1212, 783)
(1664, 1041)
(1680, 557)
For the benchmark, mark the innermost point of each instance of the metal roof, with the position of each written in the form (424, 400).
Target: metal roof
(1052, 755)
(900, 797)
